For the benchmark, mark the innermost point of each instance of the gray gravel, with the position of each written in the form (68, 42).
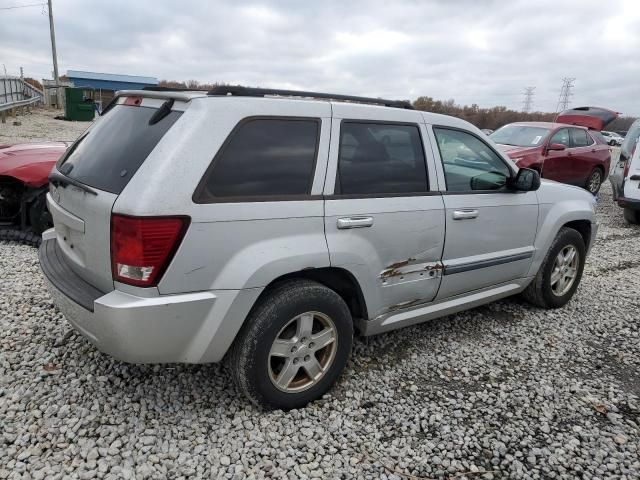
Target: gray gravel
(501, 391)
(40, 125)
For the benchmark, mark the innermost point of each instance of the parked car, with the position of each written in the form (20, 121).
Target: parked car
(625, 178)
(612, 138)
(566, 153)
(268, 230)
(24, 169)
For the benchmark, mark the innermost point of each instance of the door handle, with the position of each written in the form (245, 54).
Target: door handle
(569, 154)
(354, 222)
(464, 214)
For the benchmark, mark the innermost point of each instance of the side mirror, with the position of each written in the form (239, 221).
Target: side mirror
(526, 180)
(556, 147)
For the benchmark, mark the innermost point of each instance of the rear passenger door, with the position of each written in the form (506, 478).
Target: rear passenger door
(490, 230)
(583, 156)
(384, 220)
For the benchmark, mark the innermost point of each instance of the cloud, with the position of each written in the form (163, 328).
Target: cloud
(474, 52)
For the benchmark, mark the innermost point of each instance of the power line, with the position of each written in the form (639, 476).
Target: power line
(23, 6)
(528, 99)
(565, 94)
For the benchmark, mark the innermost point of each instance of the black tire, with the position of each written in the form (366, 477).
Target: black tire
(631, 216)
(592, 188)
(26, 237)
(249, 356)
(539, 292)
(39, 215)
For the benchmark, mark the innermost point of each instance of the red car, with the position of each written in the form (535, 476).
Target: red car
(571, 151)
(24, 171)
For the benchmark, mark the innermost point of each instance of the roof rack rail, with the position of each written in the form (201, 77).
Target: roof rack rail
(263, 92)
(173, 89)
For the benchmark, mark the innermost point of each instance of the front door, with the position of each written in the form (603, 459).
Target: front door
(383, 222)
(490, 230)
(557, 163)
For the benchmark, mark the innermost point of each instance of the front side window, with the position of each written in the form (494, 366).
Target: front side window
(562, 137)
(380, 159)
(264, 157)
(580, 138)
(469, 163)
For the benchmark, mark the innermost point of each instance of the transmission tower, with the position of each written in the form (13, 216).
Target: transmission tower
(565, 94)
(528, 99)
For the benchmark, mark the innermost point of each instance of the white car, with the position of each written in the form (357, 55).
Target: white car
(612, 138)
(625, 178)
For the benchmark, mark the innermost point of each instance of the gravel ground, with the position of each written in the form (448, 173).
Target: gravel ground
(40, 125)
(502, 391)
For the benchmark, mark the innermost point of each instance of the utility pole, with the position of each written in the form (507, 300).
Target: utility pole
(528, 99)
(565, 94)
(56, 79)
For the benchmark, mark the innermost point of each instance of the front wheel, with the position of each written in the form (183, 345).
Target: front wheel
(560, 273)
(594, 182)
(293, 345)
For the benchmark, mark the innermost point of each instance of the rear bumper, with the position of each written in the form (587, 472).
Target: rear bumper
(186, 328)
(630, 203)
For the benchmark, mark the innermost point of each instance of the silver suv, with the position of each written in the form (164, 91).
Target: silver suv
(267, 226)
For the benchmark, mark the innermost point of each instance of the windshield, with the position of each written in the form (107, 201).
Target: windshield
(520, 135)
(631, 138)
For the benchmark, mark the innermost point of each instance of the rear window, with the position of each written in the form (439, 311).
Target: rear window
(263, 159)
(110, 152)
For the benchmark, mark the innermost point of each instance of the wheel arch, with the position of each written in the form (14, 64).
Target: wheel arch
(337, 279)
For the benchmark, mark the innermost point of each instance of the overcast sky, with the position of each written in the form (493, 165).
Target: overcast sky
(482, 52)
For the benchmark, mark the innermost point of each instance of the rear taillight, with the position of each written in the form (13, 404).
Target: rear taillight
(142, 247)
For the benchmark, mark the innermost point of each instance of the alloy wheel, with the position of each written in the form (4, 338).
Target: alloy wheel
(302, 352)
(594, 181)
(565, 270)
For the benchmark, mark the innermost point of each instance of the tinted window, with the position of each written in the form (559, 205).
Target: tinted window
(579, 137)
(262, 158)
(469, 163)
(110, 152)
(561, 136)
(380, 158)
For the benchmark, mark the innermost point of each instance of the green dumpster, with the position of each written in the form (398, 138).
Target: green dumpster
(77, 106)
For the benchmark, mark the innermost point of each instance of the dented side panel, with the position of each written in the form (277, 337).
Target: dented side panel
(397, 259)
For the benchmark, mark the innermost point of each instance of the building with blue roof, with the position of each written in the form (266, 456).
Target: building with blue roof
(105, 85)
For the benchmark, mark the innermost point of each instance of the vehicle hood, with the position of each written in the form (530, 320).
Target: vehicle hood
(30, 163)
(553, 192)
(514, 151)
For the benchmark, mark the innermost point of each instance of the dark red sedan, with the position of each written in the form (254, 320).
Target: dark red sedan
(567, 153)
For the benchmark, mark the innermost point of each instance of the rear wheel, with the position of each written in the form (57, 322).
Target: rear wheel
(594, 182)
(560, 272)
(631, 216)
(293, 346)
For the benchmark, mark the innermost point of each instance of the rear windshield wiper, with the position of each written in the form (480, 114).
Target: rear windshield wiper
(58, 179)
(163, 111)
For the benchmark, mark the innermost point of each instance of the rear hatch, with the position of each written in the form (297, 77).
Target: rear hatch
(594, 118)
(87, 180)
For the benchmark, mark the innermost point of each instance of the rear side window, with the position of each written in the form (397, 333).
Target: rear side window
(380, 159)
(110, 152)
(263, 158)
(580, 137)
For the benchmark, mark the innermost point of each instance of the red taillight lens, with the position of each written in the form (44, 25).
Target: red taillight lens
(142, 247)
